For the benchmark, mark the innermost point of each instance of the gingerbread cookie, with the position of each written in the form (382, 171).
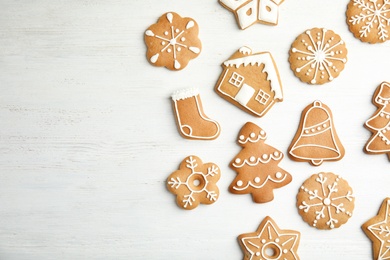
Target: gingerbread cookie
(250, 81)
(248, 12)
(257, 166)
(194, 183)
(369, 20)
(173, 41)
(190, 117)
(270, 242)
(316, 139)
(378, 231)
(317, 56)
(325, 201)
(379, 123)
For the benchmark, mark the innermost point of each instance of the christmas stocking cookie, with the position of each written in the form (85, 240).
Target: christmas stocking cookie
(190, 118)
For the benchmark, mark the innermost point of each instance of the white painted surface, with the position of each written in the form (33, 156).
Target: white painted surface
(87, 133)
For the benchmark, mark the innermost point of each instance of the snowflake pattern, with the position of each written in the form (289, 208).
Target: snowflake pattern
(378, 230)
(170, 44)
(318, 56)
(194, 183)
(328, 206)
(372, 18)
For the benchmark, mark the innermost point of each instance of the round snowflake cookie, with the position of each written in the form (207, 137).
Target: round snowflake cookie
(325, 201)
(317, 56)
(369, 20)
(173, 41)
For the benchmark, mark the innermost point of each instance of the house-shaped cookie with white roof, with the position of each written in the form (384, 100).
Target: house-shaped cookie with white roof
(248, 12)
(250, 81)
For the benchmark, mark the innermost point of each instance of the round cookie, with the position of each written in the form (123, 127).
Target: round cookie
(172, 42)
(325, 201)
(369, 20)
(317, 56)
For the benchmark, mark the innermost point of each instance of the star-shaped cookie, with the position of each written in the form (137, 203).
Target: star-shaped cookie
(378, 230)
(270, 242)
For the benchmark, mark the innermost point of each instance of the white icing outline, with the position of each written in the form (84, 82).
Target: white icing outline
(189, 198)
(374, 227)
(381, 100)
(269, 68)
(250, 184)
(317, 161)
(372, 17)
(192, 93)
(270, 240)
(251, 140)
(326, 200)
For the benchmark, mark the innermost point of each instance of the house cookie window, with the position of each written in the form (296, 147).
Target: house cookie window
(236, 79)
(262, 97)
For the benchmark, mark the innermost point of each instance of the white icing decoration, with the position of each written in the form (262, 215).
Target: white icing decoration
(285, 243)
(372, 14)
(149, 33)
(268, 16)
(194, 49)
(269, 178)
(326, 198)
(255, 162)
(192, 93)
(261, 136)
(177, 65)
(247, 14)
(190, 24)
(188, 199)
(245, 94)
(310, 131)
(245, 50)
(154, 58)
(319, 56)
(170, 17)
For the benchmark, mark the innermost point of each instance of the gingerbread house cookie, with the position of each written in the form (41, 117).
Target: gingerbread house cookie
(250, 81)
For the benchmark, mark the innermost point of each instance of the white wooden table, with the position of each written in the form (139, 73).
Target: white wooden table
(88, 138)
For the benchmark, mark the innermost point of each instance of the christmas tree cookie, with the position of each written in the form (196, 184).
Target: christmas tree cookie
(379, 123)
(270, 242)
(257, 166)
(172, 42)
(325, 201)
(378, 230)
(195, 182)
(316, 139)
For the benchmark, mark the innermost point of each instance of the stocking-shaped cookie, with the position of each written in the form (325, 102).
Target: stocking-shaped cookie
(190, 118)
(257, 166)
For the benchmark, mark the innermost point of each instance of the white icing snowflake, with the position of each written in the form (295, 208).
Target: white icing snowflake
(198, 183)
(319, 55)
(327, 202)
(172, 41)
(372, 14)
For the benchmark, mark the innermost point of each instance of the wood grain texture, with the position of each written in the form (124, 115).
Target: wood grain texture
(88, 138)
